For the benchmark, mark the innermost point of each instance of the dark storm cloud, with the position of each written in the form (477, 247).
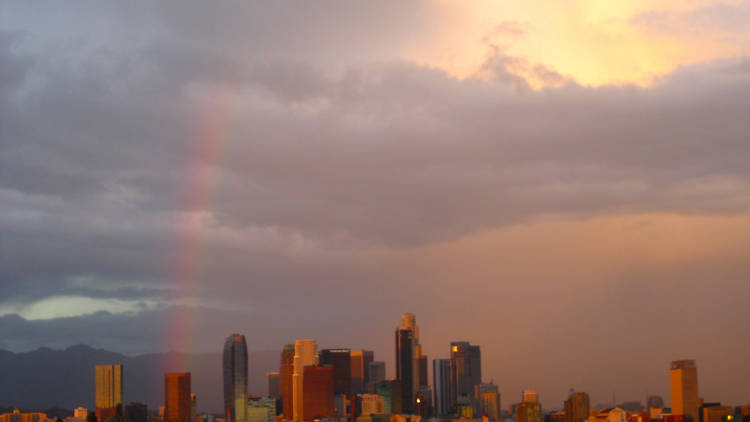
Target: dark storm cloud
(342, 177)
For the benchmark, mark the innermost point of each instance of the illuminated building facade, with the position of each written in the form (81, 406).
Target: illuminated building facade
(683, 379)
(577, 407)
(318, 392)
(487, 399)
(528, 412)
(108, 384)
(467, 364)
(261, 409)
(305, 354)
(177, 397)
(286, 387)
(390, 390)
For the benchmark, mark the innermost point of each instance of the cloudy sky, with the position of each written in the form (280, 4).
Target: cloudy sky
(566, 184)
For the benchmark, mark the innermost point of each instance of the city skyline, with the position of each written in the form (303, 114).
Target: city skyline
(563, 184)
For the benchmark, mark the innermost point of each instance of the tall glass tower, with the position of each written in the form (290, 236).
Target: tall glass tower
(235, 378)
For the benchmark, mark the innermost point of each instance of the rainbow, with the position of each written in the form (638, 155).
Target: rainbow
(189, 251)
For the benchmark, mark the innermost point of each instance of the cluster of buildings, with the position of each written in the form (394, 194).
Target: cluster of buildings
(345, 385)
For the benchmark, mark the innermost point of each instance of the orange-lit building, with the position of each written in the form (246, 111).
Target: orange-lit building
(177, 397)
(286, 387)
(577, 407)
(17, 416)
(317, 399)
(640, 417)
(683, 379)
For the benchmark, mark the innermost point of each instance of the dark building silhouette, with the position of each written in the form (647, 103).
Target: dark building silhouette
(376, 375)
(444, 386)
(136, 412)
(423, 403)
(405, 367)
(286, 386)
(234, 362)
(317, 400)
(177, 397)
(390, 390)
(340, 360)
(467, 364)
(655, 402)
(421, 362)
(360, 370)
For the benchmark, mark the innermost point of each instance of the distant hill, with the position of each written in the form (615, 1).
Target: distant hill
(48, 378)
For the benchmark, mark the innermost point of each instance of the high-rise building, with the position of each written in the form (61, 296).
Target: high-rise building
(193, 407)
(272, 384)
(530, 396)
(136, 412)
(286, 387)
(683, 377)
(487, 399)
(234, 362)
(715, 412)
(318, 393)
(368, 404)
(420, 359)
(406, 371)
(529, 412)
(577, 407)
(340, 360)
(177, 397)
(444, 387)
(423, 403)
(305, 354)
(390, 390)
(261, 409)
(108, 380)
(360, 369)
(467, 364)
(377, 374)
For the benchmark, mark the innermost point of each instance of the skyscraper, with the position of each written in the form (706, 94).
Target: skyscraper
(405, 363)
(305, 354)
(467, 364)
(318, 392)
(340, 360)
(360, 370)
(445, 386)
(683, 377)
(272, 384)
(376, 375)
(530, 396)
(529, 412)
(487, 399)
(108, 381)
(577, 407)
(390, 390)
(235, 378)
(286, 387)
(420, 359)
(177, 397)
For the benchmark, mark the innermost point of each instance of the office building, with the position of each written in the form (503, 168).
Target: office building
(406, 370)
(390, 390)
(272, 385)
(80, 413)
(683, 379)
(317, 392)
(360, 370)
(530, 396)
(487, 399)
(368, 404)
(261, 409)
(376, 375)
(715, 412)
(528, 412)
(615, 414)
(193, 407)
(423, 403)
(340, 360)
(577, 407)
(467, 364)
(136, 412)
(177, 397)
(444, 387)
(17, 416)
(108, 382)
(305, 354)
(286, 388)
(234, 363)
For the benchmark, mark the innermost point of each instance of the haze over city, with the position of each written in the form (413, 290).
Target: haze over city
(565, 184)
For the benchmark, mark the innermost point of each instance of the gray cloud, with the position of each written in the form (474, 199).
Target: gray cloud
(267, 171)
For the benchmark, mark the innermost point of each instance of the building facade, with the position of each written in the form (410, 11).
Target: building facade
(305, 354)
(444, 387)
(405, 366)
(108, 385)
(467, 364)
(487, 399)
(683, 380)
(286, 387)
(177, 397)
(234, 363)
(318, 392)
(340, 360)
(577, 407)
